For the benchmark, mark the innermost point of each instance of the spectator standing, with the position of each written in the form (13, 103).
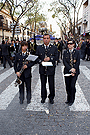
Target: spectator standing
(83, 50)
(5, 54)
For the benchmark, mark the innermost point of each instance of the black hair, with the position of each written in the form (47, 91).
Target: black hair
(24, 43)
(46, 35)
(3, 42)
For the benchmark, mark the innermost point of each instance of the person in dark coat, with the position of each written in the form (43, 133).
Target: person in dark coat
(47, 53)
(57, 44)
(88, 50)
(83, 50)
(17, 45)
(71, 61)
(26, 74)
(61, 46)
(33, 47)
(5, 54)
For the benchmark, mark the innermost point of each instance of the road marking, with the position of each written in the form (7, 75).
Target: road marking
(9, 93)
(7, 96)
(80, 103)
(36, 104)
(85, 71)
(6, 74)
(1, 68)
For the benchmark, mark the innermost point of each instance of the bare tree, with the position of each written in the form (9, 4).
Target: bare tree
(66, 9)
(19, 9)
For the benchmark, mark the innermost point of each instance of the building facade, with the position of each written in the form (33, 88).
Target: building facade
(5, 21)
(86, 19)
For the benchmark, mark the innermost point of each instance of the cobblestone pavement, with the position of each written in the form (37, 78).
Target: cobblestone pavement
(45, 119)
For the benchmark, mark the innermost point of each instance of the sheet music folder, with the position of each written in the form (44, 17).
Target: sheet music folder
(32, 57)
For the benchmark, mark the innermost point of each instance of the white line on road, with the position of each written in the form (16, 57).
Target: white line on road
(9, 93)
(80, 103)
(1, 68)
(7, 96)
(36, 104)
(6, 74)
(85, 71)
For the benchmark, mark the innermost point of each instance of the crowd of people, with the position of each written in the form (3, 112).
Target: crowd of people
(67, 50)
(8, 50)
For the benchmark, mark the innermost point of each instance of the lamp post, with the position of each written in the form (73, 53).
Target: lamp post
(2, 19)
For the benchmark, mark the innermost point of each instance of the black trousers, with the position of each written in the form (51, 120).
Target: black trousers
(6, 57)
(51, 86)
(28, 88)
(70, 82)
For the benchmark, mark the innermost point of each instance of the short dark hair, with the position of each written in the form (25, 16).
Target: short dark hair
(46, 35)
(24, 43)
(3, 42)
(71, 40)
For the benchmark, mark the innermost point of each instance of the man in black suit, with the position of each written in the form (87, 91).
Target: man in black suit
(47, 53)
(26, 74)
(71, 61)
(5, 54)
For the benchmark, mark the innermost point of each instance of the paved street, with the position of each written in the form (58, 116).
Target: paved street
(45, 119)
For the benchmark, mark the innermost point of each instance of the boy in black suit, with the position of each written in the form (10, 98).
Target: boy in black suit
(26, 75)
(71, 61)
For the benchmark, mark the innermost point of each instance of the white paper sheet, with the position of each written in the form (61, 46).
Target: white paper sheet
(47, 64)
(32, 57)
(67, 74)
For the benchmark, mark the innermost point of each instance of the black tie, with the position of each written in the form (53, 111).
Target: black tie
(46, 47)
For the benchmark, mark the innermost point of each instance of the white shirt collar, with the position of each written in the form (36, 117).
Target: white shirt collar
(71, 50)
(47, 45)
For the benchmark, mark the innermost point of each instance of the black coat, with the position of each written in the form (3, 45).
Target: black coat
(52, 53)
(19, 60)
(76, 61)
(4, 48)
(88, 49)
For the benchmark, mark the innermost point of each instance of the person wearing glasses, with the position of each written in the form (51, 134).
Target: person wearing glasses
(71, 61)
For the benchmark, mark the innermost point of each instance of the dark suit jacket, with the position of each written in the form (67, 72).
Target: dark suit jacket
(19, 59)
(5, 49)
(76, 61)
(52, 53)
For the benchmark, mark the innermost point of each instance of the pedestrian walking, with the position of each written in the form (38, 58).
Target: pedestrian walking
(88, 50)
(71, 61)
(5, 54)
(17, 45)
(83, 50)
(26, 74)
(57, 44)
(61, 47)
(47, 53)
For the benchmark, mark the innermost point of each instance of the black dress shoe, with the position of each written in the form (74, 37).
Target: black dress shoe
(66, 102)
(43, 101)
(21, 101)
(51, 101)
(70, 104)
(28, 101)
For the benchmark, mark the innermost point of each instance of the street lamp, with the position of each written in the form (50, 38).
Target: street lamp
(2, 20)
